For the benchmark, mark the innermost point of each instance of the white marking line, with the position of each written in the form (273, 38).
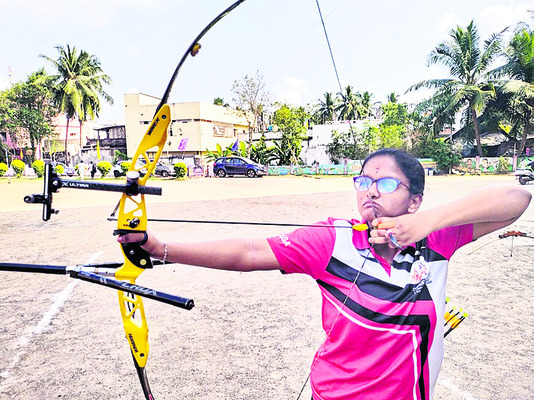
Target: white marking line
(444, 380)
(33, 332)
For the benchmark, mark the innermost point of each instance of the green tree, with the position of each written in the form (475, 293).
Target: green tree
(219, 152)
(26, 111)
(355, 144)
(366, 104)
(219, 101)
(261, 153)
(468, 65)
(519, 68)
(441, 151)
(252, 99)
(349, 106)
(326, 109)
(78, 85)
(292, 123)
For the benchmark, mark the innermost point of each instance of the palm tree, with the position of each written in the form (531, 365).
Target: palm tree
(469, 86)
(349, 107)
(519, 67)
(327, 108)
(366, 106)
(78, 85)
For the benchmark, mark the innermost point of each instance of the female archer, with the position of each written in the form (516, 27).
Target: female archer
(383, 288)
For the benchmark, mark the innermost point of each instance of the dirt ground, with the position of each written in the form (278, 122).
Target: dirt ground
(250, 335)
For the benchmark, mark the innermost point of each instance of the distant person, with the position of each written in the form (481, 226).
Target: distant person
(81, 170)
(382, 284)
(93, 170)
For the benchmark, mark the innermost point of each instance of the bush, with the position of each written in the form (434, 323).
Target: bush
(180, 169)
(104, 167)
(58, 169)
(18, 166)
(38, 167)
(504, 165)
(3, 168)
(125, 166)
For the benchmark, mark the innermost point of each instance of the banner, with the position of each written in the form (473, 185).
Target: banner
(98, 149)
(236, 145)
(183, 144)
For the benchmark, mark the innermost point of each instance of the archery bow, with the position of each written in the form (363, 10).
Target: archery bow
(134, 219)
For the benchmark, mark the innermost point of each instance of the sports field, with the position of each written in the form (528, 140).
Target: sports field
(250, 335)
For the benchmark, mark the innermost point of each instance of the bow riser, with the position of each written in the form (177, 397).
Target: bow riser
(132, 217)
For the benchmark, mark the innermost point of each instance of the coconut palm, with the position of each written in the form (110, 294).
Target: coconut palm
(349, 106)
(327, 108)
(366, 106)
(78, 85)
(519, 67)
(468, 63)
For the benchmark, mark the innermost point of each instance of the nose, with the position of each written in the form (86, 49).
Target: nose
(373, 192)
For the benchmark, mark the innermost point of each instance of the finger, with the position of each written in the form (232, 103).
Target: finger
(137, 237)
(383, 223)
(386, 225)
(392, 240)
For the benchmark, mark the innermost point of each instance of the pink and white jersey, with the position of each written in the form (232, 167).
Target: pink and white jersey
(387, 341)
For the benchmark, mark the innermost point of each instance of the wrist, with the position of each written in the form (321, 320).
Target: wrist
(165, 252)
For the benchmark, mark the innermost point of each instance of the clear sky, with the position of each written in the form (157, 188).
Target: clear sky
(379, 45)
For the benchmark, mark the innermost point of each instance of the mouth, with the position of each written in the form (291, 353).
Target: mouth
(373, 207)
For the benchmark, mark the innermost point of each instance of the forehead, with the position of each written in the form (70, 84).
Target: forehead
(383, 166)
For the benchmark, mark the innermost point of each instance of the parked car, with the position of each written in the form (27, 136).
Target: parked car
(117, 170)
(235, 165)
(69, 171)
(161, 169)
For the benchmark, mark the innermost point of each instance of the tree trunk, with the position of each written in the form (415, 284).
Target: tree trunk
(81, 135)
(249, 147)
(477, 131)
(526, 129)
(67, 142)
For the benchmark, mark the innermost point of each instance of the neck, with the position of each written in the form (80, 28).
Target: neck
(386, 252)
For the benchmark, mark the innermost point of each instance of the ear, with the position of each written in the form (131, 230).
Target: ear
(415, 203)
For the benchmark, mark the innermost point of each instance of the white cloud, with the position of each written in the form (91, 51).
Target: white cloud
(446, 23)
(292, 91)
(495, 18)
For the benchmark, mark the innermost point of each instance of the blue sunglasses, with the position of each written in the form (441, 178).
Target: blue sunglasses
(363, 183)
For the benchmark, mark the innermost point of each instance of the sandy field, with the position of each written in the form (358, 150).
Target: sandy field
(250, 335)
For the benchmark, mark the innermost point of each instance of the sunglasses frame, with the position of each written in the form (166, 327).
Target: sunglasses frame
(399, 183)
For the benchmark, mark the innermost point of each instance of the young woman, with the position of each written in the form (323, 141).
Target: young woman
(383, 287)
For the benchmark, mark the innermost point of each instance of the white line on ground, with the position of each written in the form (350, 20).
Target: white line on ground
(33, 332)
(444, 380)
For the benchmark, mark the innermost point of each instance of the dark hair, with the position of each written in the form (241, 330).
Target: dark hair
(407, 164)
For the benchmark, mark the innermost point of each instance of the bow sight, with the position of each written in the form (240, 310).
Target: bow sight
(52, 183)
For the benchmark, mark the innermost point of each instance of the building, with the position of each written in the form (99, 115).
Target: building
(196, 125)
(314, 147)
(106, 141)
(75, 142)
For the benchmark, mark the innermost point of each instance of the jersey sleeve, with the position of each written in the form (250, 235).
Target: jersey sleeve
(306, 250)
(447, 241)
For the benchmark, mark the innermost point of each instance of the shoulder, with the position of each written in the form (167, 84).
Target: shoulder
(446, 241)
(310, 248)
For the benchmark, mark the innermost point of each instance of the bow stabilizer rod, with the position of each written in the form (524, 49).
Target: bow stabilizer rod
(96, 273)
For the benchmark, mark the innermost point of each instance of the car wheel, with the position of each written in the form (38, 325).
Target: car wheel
(523, 180)
(251, 173)
(117, 174)
(221, 173)
(164, 174)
